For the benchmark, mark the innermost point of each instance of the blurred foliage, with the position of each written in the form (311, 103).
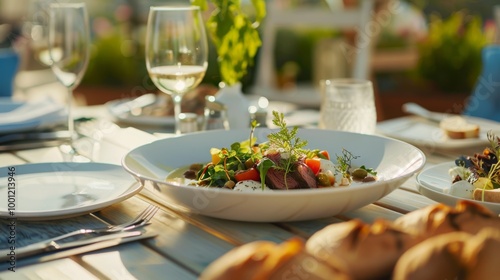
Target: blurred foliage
(117, 50)
(235, 36)
(297, 46)
(115, 61)
(446, 8)
(450, 56)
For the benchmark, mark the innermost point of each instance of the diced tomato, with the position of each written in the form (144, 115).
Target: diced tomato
(324, 154)
(314, 164)
(249, 174)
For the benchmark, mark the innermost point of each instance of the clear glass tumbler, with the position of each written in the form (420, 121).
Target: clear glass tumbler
(215, 115)
(348, 105)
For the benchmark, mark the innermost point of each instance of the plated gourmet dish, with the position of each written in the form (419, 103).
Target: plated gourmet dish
(280, 163)
(478, 176)
(161, 164)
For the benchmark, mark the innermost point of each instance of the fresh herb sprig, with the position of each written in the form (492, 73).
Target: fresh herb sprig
(344, 163)
(287, 143)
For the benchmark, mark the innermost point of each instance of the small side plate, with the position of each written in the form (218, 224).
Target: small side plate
(432, 181)
(44, 191)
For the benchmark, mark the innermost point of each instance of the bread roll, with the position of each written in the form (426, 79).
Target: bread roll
(480, 255)
(368, 251)
(487, 195)
(457, 127)
(264, 260)
(466, 216)
(436, 242)
(456, 255)
(438, 257)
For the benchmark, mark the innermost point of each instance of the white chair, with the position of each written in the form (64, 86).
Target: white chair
(357, 18)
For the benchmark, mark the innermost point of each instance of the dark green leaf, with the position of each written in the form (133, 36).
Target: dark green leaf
(263, 167)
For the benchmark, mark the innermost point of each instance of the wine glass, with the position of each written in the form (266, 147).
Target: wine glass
(39, 32)
(176, 51)
(69, 39)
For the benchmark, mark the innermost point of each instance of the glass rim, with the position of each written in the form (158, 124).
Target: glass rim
(174, 8)
(346, 82)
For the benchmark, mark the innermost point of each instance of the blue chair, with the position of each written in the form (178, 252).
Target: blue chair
(484, 102)
(9, 63)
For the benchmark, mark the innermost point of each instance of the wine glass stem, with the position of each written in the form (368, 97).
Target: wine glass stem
(71, 124)
(177, 111)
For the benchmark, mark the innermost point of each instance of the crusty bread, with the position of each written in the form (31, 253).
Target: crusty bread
(359, 246)
(435, 242)
(435, 258)
(457, 127)
(432, 220)
(265, 260)
(487, 195)
(480, 255)
(455, 255)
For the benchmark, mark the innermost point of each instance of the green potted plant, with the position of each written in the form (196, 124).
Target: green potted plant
(450, 56)
(235, 36)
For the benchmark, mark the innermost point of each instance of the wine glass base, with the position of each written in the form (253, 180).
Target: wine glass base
(69, 153)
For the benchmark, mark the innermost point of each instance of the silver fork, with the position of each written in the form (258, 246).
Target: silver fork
(110, 232)
(142, 219)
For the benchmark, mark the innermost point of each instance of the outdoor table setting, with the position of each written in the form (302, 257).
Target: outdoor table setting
(194, 228)
(104, 192)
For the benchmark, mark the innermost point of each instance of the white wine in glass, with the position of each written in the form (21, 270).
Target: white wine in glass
(176, 51)
(69, 41)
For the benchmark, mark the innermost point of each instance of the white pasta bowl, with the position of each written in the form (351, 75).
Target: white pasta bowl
(394, 160)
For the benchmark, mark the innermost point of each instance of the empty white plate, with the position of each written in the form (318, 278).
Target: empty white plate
(62, 189)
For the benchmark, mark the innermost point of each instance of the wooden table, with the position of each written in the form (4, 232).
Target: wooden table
(186, 243)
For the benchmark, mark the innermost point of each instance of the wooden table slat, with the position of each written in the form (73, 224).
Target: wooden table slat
(134, 261)
(7, 159)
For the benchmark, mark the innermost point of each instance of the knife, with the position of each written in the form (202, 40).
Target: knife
(41, 247)
(75, 251)
(415, 109)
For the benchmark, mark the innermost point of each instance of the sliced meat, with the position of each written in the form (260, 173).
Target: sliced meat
(275, 157)
(275, 179)
(301, 178)
(304, 175)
